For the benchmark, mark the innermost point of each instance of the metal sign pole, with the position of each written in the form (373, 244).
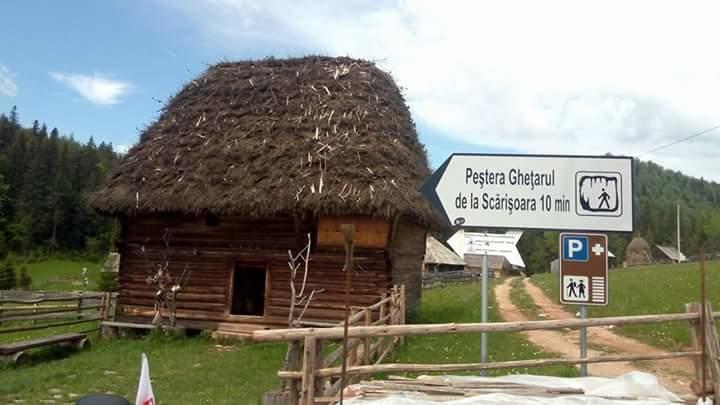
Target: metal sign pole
(483, 313)
(583, 342)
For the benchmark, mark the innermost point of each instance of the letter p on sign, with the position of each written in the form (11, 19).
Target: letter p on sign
(575, 248)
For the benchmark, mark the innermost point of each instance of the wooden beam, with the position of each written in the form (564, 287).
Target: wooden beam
(48, 325)
(395, 367)
(308, 372)
(433, 329)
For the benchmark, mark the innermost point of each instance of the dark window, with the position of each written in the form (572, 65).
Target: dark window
(248, 296)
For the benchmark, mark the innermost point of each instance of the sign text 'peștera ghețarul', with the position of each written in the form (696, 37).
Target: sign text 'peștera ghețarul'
(534, 192)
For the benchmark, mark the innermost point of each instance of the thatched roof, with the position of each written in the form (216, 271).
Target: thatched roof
(331, 136)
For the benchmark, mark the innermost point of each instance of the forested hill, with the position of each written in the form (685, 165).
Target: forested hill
(44, 178)
(657, 193)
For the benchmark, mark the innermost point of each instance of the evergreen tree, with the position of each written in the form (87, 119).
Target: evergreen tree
(8, 279)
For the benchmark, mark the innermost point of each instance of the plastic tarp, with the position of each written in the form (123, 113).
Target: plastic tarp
(631, 388)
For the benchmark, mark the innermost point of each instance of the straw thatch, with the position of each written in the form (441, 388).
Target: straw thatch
(638, 252)
(330, 136)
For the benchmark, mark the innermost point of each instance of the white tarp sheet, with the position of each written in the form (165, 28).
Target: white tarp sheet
(598, 391)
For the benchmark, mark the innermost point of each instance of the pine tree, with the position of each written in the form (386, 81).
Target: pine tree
(8, 280)
(14, 119)
(25, 281)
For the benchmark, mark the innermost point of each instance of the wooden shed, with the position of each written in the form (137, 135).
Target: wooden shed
(246, 161)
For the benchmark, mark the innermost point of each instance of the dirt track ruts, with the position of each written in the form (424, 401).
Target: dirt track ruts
(675, 374)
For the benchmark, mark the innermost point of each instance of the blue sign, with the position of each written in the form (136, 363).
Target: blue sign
(575, 248)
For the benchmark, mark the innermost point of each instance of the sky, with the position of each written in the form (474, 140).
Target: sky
(555, 77)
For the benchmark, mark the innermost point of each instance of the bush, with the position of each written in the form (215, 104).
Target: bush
(108, 281)
(25, 281)
(8, 280)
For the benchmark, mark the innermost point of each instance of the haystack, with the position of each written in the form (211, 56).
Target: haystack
(638, 252)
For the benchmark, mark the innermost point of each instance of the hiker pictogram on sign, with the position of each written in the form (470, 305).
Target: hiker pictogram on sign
(575, 288)
(598, 194)
(583, 269)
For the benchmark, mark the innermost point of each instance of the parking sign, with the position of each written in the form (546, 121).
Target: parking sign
(583, 269)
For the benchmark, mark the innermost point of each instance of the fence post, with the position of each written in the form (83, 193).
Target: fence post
(309, 363)
(79, 306)
(712, 344)
(366, 354)
(294, 364)
(402, 310)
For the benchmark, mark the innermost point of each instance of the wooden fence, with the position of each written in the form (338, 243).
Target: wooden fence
(431, 279)
(314, 370)
(27, 311)
(309, 355)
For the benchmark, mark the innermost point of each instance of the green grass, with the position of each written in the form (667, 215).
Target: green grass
(62, 275)
(183, 371)
(522, 299)
(461, 303)
(194, 371)
(652, 289)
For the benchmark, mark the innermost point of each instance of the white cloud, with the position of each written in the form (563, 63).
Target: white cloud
(545, 77)
(96, 88)
(122, 149)
(8, 86)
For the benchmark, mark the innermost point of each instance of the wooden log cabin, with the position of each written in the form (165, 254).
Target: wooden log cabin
(246, 161)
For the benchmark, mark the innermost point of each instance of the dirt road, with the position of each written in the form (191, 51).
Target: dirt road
(674, 374)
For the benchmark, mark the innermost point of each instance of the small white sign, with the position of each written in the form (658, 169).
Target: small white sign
(491, 244)
(589, 193)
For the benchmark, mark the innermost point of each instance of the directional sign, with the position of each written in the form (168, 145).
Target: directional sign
(534, 192)
(492, 244)
(583, 269)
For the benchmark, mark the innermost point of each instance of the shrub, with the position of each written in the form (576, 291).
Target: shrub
(25, 281)
(108, 281)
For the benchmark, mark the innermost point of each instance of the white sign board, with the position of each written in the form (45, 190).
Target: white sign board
(590, 193)
(491, 244)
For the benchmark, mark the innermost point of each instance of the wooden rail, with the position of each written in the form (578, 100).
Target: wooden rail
(19, 314)
(318, 379)
(439, 279)
(309, 354)
(278, 335)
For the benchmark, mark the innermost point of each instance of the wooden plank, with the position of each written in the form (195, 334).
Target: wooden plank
(432, 329)
(48, 325)
(308, 372)
(48, 299)
(396, 367)
(294, 364)
(49, 315)
(11, 315)
(129, 325)
(712, 349)
(12, 348)
(696, 333)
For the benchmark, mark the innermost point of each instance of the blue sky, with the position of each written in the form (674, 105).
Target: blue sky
(478, 76)
(144, 53)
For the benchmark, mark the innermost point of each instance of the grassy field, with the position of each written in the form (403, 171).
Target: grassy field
(461, 303)
(62, 275)
(651, 290)
(199, 371)
(183, 371)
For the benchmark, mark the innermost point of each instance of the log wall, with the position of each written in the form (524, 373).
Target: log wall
(210, 253)
(407, 252)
